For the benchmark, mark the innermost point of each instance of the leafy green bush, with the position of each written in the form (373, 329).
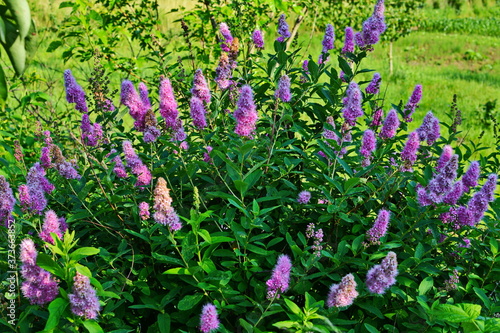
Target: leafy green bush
(259, 208)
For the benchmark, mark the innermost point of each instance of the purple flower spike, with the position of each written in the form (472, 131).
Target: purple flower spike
(380, 277)
(165, 214)
(409, 153)
(39, 286)
(245, 113)
(304, 197)
(391, 125)
(455, 194)
(138, 168)
(412, 104)
(377, 118)
(131, 99)
(223, 72)
(50, 225)
(228, 38)
(200, 87)
(478, 205)
(74, 92)
(144, 95)
(258, 39)
(144, 211)
(168, 104)
(280, 279)
(84, 301)
(379, 228)
(422, 196)
(373, 27)
(209, 321)
(342, 294)
(471, 176)
(443, 181)
(374, 86)
(283, 29)
(305, 66)
(368, 146)
(328, 39)
(352, 104)
(198, 113)
(283, 91)
(349, 41)
(446, 155)
(430, 129)
(7, 202)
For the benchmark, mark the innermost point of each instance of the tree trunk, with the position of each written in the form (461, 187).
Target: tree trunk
(296, 26)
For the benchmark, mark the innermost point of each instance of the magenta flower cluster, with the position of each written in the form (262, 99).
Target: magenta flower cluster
(84, 301)
(342, 294)
(317, 236)
(245, 113)
(283, 91)
(280, 279)
(352, 104)
(390, 126)
(412, 104)
(39, 286)
(381, 277)
(7, 202)
(258, 39)
(379, 228)
(304, 197)
(373, 27)
(52, 224)
(348, 41)
(209, 320)
(409, 152)
(368, 146)
(429, 130)
(139, 169)
(32, 195)
(374, 86)
(283, 29)
(227, 38)
(74, 92)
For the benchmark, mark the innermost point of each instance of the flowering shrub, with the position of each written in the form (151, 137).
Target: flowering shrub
(279, 199)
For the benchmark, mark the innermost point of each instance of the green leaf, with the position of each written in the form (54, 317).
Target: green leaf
(482, 295)
(92, 326)
(459, 313)
(3, 88)
(21, 12)
(46, 262)
(285, 324)
(83, 252)
(54, 45)
(350, 183)
(189, 301)
(178, 271)
(371, 328)
(419, 251)
(246, 325)
(292, 306)
(56, 309)
(164, 323)
(425, 285)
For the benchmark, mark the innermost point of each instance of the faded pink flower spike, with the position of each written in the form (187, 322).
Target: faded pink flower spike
(342, 294)
(165, 214)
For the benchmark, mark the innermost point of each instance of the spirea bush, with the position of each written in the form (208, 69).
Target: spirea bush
(256, 195)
